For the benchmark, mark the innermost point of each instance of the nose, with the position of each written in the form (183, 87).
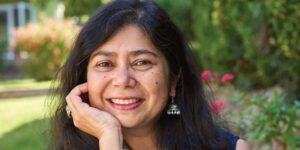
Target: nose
(123, 78)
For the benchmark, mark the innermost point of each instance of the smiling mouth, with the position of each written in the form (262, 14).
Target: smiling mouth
(126, 103)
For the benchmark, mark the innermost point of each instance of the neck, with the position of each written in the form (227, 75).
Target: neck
(141, 138)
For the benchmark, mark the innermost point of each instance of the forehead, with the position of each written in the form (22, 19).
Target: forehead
(128, 38)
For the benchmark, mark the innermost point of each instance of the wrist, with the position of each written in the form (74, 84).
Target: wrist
(109, 131)
(111, 139)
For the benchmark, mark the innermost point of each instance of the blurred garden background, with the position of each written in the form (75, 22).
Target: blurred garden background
(248, 50)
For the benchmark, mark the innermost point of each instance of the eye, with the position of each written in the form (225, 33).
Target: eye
(143, 62)
(104, 65)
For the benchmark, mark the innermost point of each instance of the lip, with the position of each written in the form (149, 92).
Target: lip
(131, 106)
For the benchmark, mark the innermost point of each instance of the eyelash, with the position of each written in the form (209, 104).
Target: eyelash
(104, 63)
(144, 62)
(138, 65)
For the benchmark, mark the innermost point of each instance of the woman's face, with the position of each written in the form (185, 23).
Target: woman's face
(129, 78)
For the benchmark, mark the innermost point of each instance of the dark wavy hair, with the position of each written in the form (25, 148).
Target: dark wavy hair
(193, 129)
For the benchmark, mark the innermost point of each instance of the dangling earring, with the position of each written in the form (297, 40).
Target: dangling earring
(173, 108)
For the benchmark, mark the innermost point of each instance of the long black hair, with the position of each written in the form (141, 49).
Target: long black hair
(194, 128)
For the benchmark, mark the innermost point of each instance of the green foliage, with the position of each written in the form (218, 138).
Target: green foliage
(255, 39)
(270, 118)
(181, 13)
(2, 54)
(9, 1)
(81, 7)
(35, 2)
(47, 45)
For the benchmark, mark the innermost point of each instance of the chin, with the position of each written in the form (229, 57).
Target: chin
(128, 124)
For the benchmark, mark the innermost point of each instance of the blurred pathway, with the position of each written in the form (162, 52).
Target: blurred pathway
(15, 93)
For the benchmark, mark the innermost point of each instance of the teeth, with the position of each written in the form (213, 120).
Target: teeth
(121, 101)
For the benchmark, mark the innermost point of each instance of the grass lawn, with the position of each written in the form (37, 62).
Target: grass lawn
(23, 84)
(23, 123)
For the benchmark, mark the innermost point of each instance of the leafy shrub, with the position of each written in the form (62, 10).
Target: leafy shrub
(75, 8)
(180, 12)
(2, 53)
(270, 118)
(46, 44)
(257, 40)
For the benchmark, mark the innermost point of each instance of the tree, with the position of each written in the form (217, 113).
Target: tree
(81, 7)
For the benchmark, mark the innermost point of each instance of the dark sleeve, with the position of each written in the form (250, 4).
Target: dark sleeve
(232, 140)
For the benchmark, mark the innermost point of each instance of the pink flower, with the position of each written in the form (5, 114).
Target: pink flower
(227, 78)
(217, 106)
(206, 75)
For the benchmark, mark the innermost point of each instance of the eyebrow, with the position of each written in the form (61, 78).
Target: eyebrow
(142, 52)
(132, 53)
(104, 53)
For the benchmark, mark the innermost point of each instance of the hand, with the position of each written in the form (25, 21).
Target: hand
(89, 119)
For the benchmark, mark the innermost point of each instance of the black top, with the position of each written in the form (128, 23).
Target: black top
(232, 139)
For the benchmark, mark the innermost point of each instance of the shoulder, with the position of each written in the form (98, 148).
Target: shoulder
(242, 145)
(235, 143)
(231, 139)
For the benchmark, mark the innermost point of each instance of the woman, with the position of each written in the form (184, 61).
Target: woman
(130, 83)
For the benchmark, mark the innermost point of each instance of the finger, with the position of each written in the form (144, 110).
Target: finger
(70, 103)
(79, 89)
(76, 92)
(79, 105)
(73, 99)
(71, 106)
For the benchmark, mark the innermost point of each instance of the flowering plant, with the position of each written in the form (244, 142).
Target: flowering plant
(269, 117)
(213, 82)
(46, 44)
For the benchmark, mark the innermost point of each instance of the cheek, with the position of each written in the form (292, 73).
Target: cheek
(156, 82)
(159, 90)
(96, 86)
(157, 78)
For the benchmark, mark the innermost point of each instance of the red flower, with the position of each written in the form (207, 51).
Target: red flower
(227, 78)
(206, 75)
(217, 106)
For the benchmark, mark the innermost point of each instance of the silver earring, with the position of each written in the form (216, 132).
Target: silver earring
(173, 108)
